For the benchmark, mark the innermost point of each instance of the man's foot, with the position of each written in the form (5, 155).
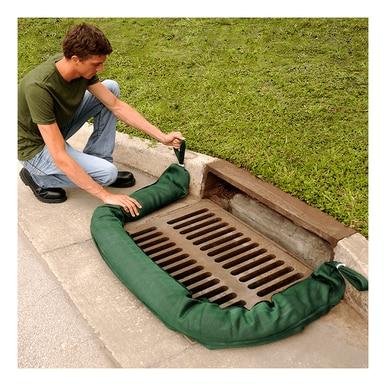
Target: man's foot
(124, 180)
(49, 195)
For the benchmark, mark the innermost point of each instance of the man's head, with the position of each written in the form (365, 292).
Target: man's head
(83, 40)
(86, 47)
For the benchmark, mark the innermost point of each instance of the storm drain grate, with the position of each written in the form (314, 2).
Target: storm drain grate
(216, 256)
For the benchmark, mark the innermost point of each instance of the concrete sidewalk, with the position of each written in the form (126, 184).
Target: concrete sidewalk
(52, 331)
(73, 311)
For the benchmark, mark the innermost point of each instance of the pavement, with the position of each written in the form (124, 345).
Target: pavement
(52, 331)
(73, 311)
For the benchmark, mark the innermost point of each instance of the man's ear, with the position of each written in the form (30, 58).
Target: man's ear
(75, 59)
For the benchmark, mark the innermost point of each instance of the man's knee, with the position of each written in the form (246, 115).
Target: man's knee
(113, 86)
(108, 175)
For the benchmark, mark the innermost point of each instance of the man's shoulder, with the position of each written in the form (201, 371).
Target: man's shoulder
(42, 73)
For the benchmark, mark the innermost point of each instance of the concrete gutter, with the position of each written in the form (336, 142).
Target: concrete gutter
(304, 240)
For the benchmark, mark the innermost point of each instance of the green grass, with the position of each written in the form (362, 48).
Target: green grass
(286, 99)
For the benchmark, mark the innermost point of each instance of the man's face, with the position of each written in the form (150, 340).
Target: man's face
(87, 68)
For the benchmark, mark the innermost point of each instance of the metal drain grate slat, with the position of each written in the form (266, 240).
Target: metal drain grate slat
(280, 284)
(194, 220)
(217, 257)
(188, 272)
(226, 255)
(213, 235)
(205, 231)
(195, 278)
(170, 260)
(220, 241)
(268, 267)
(244, 263)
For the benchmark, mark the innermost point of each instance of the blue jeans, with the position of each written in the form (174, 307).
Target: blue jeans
(96, 158)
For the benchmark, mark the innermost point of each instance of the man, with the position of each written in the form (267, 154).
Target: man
(54, 100)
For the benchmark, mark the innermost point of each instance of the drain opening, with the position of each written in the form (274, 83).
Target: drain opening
(235, 253)
(229, 246)
(212, 293)
(142, 232)
(220, 241)
(203, 286)
(189, 215)
(225, 298)
(165, 254)
(290, 280)
(193, 221)
(167, 261)
(240, 303)
(270, 277)
(253, 264)
(178, 267)
(152, 243)
(206, 231)
(199, 226)
(214, 236)
(159, 248)
(147, 237)
(196, 279)
(260, 271)
(188, 272)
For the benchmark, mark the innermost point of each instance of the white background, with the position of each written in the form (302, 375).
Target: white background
(11, 375)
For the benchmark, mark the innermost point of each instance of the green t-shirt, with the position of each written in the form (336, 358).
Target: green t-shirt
(44, 97)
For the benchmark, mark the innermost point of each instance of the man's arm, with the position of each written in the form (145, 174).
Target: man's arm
(131, 117)
(56, 146)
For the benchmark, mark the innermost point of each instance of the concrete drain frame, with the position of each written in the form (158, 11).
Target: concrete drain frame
(216, 256)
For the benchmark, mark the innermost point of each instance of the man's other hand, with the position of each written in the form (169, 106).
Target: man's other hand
(129, 204)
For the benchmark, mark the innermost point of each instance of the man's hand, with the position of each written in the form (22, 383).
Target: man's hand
(173, 139)
(129, 204)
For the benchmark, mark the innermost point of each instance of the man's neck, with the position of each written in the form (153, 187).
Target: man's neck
(66, 70)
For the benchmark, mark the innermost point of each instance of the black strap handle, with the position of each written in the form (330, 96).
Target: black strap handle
(180, 153)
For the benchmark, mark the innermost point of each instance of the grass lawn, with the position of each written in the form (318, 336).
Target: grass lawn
(286, 99)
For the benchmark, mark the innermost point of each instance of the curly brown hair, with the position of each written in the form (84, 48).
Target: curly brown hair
(84, 40)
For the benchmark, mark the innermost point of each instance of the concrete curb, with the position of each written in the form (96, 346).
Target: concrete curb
(153, 159)
(353, 251)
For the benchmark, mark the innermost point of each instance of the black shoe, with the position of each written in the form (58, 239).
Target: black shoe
(124, 180)
(50, 195)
